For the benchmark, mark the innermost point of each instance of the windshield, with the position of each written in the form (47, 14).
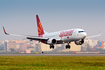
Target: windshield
(80, 31)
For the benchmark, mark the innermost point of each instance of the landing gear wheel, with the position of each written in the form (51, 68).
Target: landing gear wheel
(81, 42)
(42, 52)
(67, 46)
(52, 46)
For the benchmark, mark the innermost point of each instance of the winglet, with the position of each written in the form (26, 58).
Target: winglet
(5, 31)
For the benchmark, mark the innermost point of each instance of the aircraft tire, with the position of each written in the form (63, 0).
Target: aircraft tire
(67, 46)
(52, 46)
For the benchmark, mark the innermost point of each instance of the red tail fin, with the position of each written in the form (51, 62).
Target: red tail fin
(39, 27)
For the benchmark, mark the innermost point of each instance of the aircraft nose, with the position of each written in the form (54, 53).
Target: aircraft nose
(85, 34)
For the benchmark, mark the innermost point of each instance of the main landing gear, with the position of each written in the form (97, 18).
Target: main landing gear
(68, 46)
(52, 46)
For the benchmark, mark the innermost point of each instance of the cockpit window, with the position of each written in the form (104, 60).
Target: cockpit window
(80, 31)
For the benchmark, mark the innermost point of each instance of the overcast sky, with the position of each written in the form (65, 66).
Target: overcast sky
(19, 16)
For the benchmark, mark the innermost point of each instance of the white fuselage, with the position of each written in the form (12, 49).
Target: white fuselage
(67, 35)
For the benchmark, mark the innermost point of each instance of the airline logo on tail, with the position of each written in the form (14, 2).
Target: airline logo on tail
(39, 27)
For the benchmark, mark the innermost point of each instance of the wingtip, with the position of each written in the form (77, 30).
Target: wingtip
(5, 31)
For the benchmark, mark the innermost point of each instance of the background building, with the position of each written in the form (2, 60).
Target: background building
(5, 46)
(34, 46)
(100, 44)
(11, 45)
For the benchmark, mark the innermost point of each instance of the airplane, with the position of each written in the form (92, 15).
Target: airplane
(76, 35)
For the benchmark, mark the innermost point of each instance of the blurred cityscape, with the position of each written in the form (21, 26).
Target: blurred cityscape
(27, 46)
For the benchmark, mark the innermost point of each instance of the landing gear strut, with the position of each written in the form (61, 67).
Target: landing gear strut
(52, 46)
(68, 46)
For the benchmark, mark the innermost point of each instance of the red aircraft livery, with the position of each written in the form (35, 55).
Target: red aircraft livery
(66, 33)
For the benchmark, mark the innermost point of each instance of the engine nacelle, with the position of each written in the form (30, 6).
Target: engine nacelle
(79, 42)
(51, 41)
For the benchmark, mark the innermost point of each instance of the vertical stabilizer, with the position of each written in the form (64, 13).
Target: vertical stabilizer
(39, 27)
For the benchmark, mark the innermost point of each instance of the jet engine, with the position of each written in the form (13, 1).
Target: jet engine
(80, 42)
(52, 41)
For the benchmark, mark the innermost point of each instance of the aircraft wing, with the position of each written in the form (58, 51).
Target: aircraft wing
(37, 38)
(95, 35)
(27, 36)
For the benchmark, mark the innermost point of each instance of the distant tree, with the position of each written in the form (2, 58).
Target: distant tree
(12, 50)
(99, 49)
(88, 47)
(104, 50)
(32, 51)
